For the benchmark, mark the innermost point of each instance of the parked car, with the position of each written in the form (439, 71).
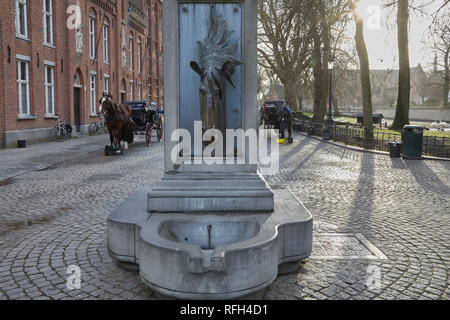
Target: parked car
(269, 114)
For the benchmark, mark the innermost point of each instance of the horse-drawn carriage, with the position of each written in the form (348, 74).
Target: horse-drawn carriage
(145, 117)
(128, 119)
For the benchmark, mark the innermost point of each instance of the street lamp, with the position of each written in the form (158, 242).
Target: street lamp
(330, 103)
(329, 121)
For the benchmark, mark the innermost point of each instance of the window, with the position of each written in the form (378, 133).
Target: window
(48, 22)
(139, 91)
(155, 24)
(155, 66)
(139, 47)
(49, 85)
(23, 88)
(149, 88)
(93, 94)
(149, 61)
(92, 37)
(131, 89)
(105, 43)
(131, 53)
(21, 18)
(106, 76)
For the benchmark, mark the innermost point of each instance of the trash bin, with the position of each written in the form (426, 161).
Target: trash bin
(395, 149)
(21, 143)
(310, 131)
(412, 141)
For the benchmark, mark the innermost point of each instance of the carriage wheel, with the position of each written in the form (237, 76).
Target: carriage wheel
(160, 129)
(148, 134)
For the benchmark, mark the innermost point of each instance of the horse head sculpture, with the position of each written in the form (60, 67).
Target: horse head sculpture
(215, 66)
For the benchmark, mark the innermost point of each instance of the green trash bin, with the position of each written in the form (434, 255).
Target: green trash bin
(412, 140)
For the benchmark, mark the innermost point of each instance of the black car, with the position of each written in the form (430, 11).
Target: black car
(269, 114)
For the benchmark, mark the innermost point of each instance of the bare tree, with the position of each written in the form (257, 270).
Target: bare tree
(284, 43)
(404, 82)
(440, 31)
(364, 71)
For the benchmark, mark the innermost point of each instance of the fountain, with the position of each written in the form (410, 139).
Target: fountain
(216, 230)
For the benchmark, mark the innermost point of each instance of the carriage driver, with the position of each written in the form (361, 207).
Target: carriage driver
(285, 117)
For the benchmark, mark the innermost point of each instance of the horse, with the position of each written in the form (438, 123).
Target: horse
(116, 117)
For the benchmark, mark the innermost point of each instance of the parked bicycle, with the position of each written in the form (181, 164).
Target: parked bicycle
(98, 127)
(62, 130)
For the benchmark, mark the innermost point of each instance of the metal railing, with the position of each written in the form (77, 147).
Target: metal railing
(377, 140)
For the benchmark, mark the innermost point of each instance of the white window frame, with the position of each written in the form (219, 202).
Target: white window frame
(20, 82)
(130, 44)
(92, 20)
(139, 48)
(93, 92)
(131, 90)
(50, 15)
(106, 42)
(24, 22)
(139, 91)
(106, 83)
(155, 66)
(51, 85)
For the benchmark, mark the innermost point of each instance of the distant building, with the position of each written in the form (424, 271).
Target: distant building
(384, 85)
(52, 65)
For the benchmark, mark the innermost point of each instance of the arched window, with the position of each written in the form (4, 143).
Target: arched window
(77, 79)
(123, 91)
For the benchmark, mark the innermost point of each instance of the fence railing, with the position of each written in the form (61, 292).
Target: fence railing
(432, 145)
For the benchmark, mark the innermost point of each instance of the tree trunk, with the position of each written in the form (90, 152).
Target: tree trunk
(404, 81)
(365, 76)
(325, 36)
(320, 115)
(446, 80)
(290, 95)
(336, 106)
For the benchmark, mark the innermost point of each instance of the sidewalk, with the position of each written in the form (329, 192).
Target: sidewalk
(15, 162)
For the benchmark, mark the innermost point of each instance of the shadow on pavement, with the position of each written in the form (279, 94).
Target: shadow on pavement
(426, 177)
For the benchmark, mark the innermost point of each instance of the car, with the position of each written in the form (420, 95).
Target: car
(269, 114)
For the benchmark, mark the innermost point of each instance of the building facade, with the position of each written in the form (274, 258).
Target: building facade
(59, 56)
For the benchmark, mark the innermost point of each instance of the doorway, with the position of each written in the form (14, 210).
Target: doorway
(76, 108)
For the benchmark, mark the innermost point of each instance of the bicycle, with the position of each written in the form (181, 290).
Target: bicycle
(60, 132)
(98, 127)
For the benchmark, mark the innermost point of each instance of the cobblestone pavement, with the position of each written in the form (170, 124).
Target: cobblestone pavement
(15, 162)
(51, 219)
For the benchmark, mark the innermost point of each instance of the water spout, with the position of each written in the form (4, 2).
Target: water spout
(209, 237)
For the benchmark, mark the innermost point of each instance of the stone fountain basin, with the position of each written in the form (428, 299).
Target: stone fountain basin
(177, 259)
(243, 257)
(209, 234)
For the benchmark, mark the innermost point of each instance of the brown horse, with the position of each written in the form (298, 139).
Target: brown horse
(116, 117)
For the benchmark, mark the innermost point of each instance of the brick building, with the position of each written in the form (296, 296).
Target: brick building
(58, 56)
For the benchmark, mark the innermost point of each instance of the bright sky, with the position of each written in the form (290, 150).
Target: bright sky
(381, 35)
